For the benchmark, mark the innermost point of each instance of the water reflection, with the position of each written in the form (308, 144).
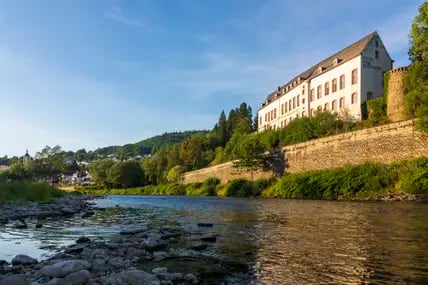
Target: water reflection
(284, 241)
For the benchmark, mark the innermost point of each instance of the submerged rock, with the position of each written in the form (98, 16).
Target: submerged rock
(83, 239)
(205, 225)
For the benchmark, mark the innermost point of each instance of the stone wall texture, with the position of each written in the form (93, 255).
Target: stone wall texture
(224, 172)
(395, 104)
(385, 144)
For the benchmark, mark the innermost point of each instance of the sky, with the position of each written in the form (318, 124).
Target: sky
(89, 74)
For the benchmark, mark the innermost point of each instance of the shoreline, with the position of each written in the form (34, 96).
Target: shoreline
(139, 254)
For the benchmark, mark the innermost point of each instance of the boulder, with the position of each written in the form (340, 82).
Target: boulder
(75, 248)
(16, 279)
(23, 260)
(77, 278)
(83, 239)
(134, 277)
(63, 268)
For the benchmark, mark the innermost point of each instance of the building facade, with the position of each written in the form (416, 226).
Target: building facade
(341, 83)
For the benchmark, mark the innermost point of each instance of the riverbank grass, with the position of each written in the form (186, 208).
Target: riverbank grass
(21, 191)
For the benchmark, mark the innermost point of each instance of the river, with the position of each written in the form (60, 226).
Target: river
(284, 241)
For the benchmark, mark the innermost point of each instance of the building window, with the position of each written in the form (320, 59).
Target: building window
(303, 90)
(312, 112)
(274, 113)
(354, 98)
(326, 107)
(303, 100)
(260, 120)
(342, 102)
(312, 95)
(342, 81)
(286, 106)
(282, 109)
(377, 43)
(334, 85)
(334, 105)
(298, 100)
(319, 90)
(376, 54)
(303, 113)
(355, 76)
(266, 117)
(294, 102)
(326, 88)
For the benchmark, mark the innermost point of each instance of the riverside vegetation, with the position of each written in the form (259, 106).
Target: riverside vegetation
(406, 180)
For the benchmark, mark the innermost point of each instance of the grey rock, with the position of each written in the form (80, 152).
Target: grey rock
(83, 239)
(55, 281)
(133, 231)
(65, 267)
(205, 225)
(133, 277)
(21, 226)
(3, 262)
(98, 264)
(16, 279)
(77, 278)
(75, 248)
(191, 278)
(133, 252)
(199, 246)
(175, 276)
(118, 262)
(209, 238)
(158, 270)
(23, 260)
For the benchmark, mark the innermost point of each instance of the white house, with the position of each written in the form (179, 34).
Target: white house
(340, 83)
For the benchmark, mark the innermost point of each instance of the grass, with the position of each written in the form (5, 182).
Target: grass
(21, 191)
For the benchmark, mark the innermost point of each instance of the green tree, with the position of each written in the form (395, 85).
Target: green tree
(417, 79)
(125, 174)
(175, 174)
(99, 171)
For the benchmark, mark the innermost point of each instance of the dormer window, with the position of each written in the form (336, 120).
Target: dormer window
(320, 69)
(336, 61)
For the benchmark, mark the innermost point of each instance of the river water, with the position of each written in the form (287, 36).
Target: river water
(284, 241)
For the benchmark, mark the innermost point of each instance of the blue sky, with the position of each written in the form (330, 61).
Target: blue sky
(88, 74)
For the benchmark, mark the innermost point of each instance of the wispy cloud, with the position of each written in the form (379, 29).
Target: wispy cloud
(116, 14)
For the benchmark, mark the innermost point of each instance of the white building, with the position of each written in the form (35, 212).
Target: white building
(340, 83)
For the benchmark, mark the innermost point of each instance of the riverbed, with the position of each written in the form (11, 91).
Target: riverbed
(283, 241)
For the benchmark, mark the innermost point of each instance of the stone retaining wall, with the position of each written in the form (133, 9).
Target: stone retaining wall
(385, 144)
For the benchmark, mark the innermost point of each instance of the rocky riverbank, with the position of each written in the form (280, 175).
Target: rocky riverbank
(61, 207)
(141, 254)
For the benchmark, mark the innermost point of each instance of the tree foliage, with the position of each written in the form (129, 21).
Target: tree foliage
(417, 78)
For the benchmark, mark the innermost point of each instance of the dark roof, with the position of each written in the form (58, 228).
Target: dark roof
(343, 56)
